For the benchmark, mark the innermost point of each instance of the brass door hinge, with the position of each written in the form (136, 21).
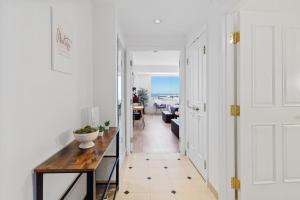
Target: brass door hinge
(235, 183)
(235, 110)
(235, 37)
(204, 49)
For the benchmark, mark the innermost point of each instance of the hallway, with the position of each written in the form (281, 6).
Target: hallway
(161, 177)
(156, 137)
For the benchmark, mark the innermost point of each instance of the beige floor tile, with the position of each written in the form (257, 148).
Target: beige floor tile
(120, 196)
(137, 163)
(139, 186)
(163, 181)
(188, 196)
(194, 174)
(138, 156)
(157, 164)
(137, 173)
(158, 173)
(137, 196)
(157, 156)
(177, 164)
(124, 186)
(177, 173)
(182, 186)
(162, 196)
(173, 156)
(160, 186)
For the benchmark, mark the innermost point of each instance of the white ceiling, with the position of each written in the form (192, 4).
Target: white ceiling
(178, 16)
(159, 58)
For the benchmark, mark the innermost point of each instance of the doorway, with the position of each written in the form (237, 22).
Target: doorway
(154, 82)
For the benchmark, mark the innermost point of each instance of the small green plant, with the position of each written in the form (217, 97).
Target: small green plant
(85, 130)
(101, 128)
(107, 123)
(106, 197)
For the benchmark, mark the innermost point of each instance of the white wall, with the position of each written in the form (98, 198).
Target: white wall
(105, 39)
(105, 59)
(157, 69)
(270, 5)
(39, 107)
(155, 42)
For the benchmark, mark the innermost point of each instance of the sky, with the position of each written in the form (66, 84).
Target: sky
(164, 85)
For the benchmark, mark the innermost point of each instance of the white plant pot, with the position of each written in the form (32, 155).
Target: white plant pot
(86, 140)
(106, 128)
(101, 133)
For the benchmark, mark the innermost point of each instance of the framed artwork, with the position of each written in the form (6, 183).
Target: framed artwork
(62, 44)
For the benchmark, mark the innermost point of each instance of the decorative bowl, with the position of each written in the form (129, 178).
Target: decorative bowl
(86, 139)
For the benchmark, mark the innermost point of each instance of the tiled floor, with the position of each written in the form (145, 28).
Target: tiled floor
(161, 177)
(156, 137)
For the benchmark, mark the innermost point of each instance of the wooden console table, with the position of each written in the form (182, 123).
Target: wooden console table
(71, 159)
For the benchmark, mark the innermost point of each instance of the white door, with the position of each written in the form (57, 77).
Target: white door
(129, 113)
(269, 95)
(196, 108)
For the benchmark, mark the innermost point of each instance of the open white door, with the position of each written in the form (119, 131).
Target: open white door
(129, 85)
(196, 108)
(269, 126)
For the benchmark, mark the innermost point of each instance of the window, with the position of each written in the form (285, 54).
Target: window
(164, 86)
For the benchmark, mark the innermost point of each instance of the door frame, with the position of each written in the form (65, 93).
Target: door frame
(229, 24)
(182, 95)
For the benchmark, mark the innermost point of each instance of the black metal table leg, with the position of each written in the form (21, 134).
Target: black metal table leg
(39, 186)
(117, 155)
(91, 186)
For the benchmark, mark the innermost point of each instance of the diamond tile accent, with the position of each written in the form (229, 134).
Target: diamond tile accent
(164, 177)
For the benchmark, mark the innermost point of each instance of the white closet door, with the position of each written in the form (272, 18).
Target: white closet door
(197, 116)
(269, 127)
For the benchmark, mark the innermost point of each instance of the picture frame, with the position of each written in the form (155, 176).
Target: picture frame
(62, 41)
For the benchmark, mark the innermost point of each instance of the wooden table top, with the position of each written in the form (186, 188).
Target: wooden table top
(72, 159)
(137, 107)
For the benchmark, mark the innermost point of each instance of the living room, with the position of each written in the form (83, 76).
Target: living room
(156, 94)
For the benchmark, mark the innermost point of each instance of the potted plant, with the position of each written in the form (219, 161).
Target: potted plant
(101, 130)
(106, 124)
(143, 96)
(86, 136)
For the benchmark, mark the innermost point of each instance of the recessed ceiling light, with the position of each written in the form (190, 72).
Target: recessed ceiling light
(157, 21)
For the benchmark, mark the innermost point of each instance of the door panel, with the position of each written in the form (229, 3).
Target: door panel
(269, 96)
(291, 63)
(197, 117)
